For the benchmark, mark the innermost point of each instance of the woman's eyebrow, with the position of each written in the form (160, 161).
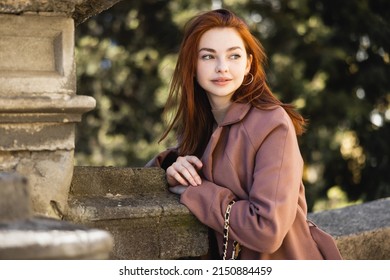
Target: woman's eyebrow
(214, 51)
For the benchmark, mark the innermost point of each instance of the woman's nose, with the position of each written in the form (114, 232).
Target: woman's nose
(221, 66)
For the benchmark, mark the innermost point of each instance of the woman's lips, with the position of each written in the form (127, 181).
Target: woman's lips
(221, 81)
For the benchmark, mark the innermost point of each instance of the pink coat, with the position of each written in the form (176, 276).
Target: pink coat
(254, 158)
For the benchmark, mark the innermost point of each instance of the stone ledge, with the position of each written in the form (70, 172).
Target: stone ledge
(106, 180)
(80, 10)
(116, 207)
(17, 7)
(147, 229)
(134, 205)
(88, 8)
(45, 239)
(76, 104)
(362, 231)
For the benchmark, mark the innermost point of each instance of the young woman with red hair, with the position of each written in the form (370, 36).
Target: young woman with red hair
(237, 165)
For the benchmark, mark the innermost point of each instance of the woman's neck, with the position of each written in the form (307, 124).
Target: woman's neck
(219, 112)
(219, 103)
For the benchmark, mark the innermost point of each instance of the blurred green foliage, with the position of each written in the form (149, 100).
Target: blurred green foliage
(330, 58)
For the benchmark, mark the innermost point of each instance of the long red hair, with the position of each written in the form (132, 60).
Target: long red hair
(193, 117)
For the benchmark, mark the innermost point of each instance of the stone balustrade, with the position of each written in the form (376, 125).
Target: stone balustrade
(133, 204)
(362, 231)
(148, 222)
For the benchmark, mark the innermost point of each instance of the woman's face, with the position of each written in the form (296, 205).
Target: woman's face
(222, 64)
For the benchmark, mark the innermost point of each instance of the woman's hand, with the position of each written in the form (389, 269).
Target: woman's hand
(184, 172)
(179, 189)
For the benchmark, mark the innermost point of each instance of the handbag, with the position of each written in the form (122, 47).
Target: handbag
(325, 242)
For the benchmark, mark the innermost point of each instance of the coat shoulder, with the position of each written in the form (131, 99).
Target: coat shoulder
(268, 119)
(261, 123)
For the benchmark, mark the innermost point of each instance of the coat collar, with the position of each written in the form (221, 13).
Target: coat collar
(235, 113)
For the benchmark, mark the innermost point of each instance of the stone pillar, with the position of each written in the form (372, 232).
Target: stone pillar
(38, 103)
(38, 112)
(39, 106)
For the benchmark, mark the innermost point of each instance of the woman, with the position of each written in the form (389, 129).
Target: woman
(237, 161)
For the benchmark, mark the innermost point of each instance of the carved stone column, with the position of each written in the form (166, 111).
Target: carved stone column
(38, 103)
(39, 106)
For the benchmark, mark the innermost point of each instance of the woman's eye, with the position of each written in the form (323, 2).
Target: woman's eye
(235, 56)
(207, 56)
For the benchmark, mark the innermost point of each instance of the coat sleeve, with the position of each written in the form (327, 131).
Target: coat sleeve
(261, 222)
(164, 159)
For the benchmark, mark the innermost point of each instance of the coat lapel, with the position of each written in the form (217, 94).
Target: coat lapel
(236, 113)
(207, 158)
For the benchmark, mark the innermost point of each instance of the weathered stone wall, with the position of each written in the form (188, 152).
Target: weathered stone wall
(362, 231)
(148, 222)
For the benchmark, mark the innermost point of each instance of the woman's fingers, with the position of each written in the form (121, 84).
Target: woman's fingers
(174, 178)
(195, 161)
(185, 166)
(184, 171)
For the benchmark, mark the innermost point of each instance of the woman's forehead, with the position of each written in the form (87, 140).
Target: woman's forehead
(221, 39)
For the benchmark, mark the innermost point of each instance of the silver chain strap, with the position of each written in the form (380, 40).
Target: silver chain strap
(236, 245)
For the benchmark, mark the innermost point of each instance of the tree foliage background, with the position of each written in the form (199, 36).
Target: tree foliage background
(328, 57)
